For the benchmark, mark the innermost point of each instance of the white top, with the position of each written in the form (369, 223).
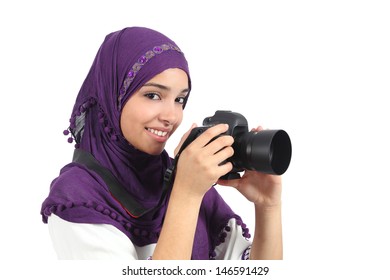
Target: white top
(101, 241)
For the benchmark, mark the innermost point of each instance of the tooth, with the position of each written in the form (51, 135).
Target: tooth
(158, 132)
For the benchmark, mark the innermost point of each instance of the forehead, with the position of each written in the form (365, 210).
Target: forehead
(171, 79)
(171, 75)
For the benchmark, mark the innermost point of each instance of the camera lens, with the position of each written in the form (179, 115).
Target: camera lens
(267, 151)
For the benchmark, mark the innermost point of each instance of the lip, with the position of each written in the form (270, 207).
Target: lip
(160, 139)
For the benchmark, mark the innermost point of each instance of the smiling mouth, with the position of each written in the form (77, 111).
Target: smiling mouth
(157, 132)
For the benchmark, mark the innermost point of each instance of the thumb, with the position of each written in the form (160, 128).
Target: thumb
(229, 183)
(183, 138)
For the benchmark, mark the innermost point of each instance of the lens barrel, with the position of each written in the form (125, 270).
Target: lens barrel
(267, 151)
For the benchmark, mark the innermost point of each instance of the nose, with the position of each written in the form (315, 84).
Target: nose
(168, 115)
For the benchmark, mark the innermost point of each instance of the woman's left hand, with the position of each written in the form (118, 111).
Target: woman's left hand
(262, 189)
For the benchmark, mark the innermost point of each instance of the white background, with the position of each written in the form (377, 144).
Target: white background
(318, 69)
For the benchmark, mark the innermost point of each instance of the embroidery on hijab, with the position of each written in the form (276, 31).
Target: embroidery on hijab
(138, 65)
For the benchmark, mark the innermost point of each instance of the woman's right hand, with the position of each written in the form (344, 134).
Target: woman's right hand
(199, 165)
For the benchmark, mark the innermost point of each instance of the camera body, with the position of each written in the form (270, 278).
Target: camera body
(267, 151)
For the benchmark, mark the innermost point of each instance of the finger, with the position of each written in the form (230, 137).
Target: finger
(223, 155)
(183, 138)
(209, 134)
(219, 143)
(257, 129)
(224, 169)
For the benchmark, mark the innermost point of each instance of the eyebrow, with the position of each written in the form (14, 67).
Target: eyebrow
(163, 87)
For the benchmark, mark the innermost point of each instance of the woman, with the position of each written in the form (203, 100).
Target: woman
(111, 201)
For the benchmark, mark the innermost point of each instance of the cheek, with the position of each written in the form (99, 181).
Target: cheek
(134, 120)
(128, 122)
(179, 120)
(126, 127)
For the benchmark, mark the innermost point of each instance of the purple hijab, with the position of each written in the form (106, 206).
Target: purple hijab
(126, 60)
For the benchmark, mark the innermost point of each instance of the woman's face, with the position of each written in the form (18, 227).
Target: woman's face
(153, 113)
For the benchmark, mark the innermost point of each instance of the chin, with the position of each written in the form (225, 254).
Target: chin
(154, 152)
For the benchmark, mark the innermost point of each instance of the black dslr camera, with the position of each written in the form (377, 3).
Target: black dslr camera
(267, 151)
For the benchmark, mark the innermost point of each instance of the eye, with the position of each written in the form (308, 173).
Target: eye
(152, 96)
(180, 100)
